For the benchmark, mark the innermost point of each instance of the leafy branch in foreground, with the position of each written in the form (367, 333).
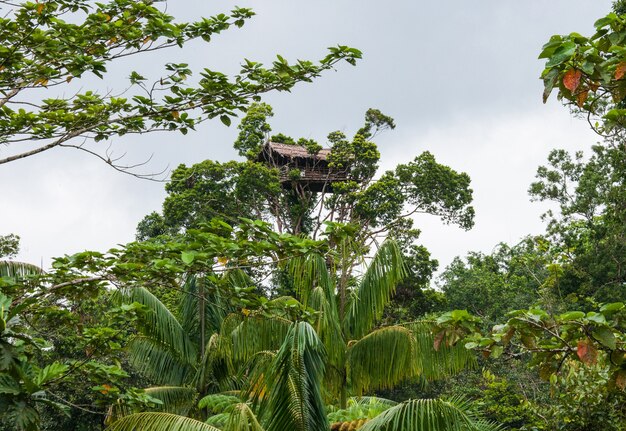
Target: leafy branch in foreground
(46, 46)
(552, 340)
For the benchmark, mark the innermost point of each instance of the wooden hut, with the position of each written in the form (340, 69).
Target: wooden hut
(297, 166)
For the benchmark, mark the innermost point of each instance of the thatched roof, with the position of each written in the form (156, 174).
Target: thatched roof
(294, 151)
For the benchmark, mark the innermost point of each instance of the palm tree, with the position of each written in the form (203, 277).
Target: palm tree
(293, 401)
(363, 357)
(288, 366)
(177, 349)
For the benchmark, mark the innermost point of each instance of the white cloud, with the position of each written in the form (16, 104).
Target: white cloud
(501, 154)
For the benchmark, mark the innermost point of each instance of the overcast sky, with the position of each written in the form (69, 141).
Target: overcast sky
(459, 77)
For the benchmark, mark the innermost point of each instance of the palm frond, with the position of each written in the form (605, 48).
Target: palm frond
(308, 272)
(382, 359)
(12, 269)
(295, 400)
(430, 415)
(328, 328)
(216, 306)
(159, 422)
(375, 289)
(215, 370)
(257, 333)
(158, 362)
(219, 420)
(175, 399)
(368, 400)
(360, 408)
(218, 403)
(256, 374)
(439, 363)
(160, 324)
(242, 418)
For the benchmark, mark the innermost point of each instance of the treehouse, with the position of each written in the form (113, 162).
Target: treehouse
(297, 166)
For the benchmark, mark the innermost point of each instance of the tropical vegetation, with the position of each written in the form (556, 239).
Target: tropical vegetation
(254, 303)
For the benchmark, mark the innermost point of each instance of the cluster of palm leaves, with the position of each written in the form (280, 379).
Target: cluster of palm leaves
(222, 367)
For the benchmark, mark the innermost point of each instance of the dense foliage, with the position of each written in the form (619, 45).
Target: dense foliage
(250, 303)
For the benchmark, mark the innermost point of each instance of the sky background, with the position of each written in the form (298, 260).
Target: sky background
(460, 78)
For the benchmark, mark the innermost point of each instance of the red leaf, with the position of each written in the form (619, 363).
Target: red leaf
(571, 79)
(620, 70)
(586, 352)
(581, 98)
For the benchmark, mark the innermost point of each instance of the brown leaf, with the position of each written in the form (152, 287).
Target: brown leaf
(508, 335)
(620, 379)
(546, 370)
(620, 70)
(618, 93)
(581, 98)
(528, 341)
(571, 79)
(586, 352)
(40, 8)
(176, 115)
(438, 340)
(593, 86)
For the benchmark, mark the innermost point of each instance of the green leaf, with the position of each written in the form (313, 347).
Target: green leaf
(562, 54)
(374, 291)
(549, 81)
(607, 20)
(614, 306)
(8, 385)
(455, 414)
(50, 372)
(188, 257)
(596, 317)
(225, 119)
(369, 370)
(572, 315)
(496, 351)
(605, 336)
